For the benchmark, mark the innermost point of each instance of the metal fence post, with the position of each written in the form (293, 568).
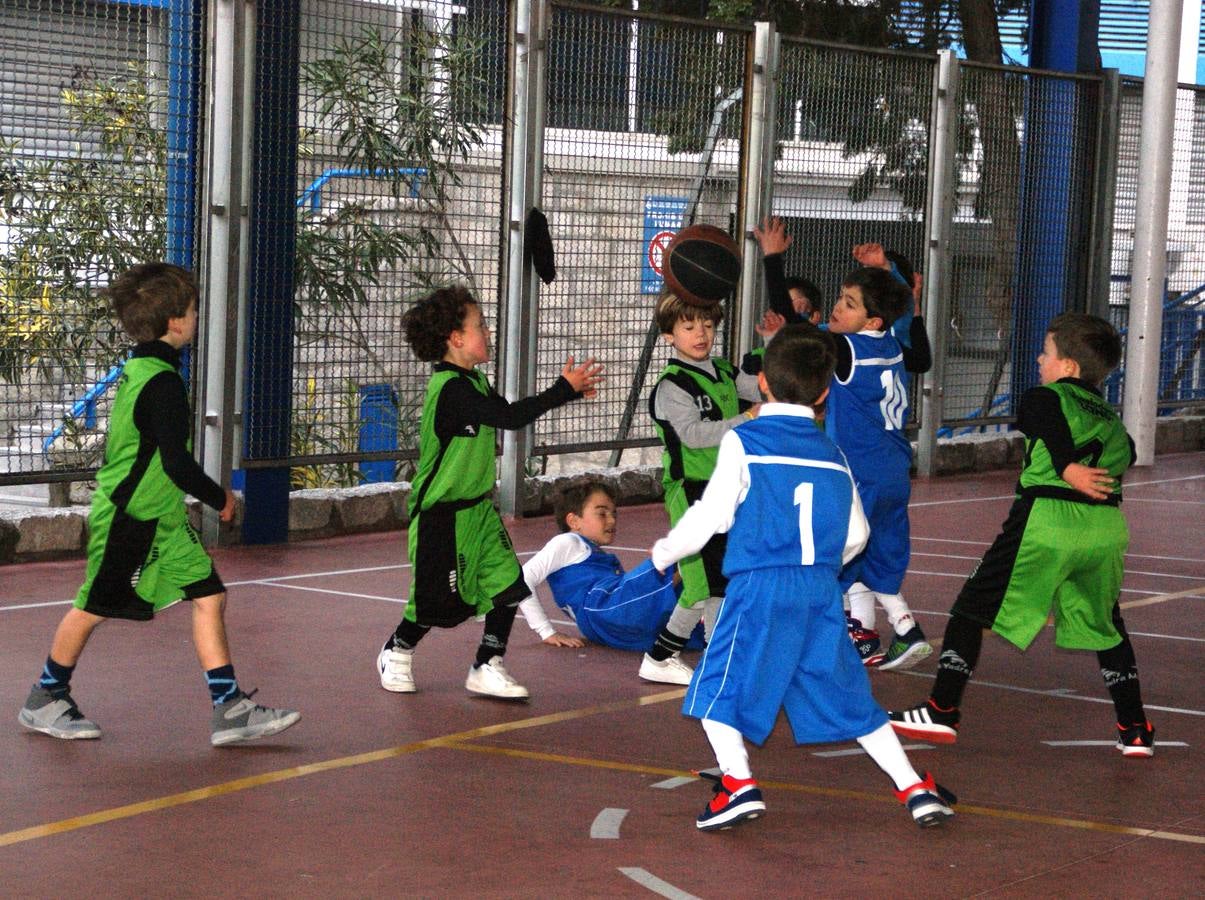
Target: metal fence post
(521, 188)
(221, 260)
(1108, 142)
(939, 215)
(757, 175)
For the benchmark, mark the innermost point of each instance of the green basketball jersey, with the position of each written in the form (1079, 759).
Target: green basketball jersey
(1099, 436)
(460, 467)
(716, 399)
(132, 476)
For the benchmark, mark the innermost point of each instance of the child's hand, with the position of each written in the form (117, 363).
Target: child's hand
(227, 512)
(772, 236)
(584, 378)
(1095, 483)
(871, 255)
(770, 323)
(918, 284)
(556, 639)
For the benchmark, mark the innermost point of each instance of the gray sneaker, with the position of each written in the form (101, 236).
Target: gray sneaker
(59, 718)
(242, 719)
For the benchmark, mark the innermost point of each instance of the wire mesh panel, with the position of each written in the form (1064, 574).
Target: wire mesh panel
(98, 171)
(853, 148)
(398, 190)
(1027, 153)
(1182, 356)
(643, 136)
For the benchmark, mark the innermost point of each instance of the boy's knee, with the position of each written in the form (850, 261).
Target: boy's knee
(212, 603)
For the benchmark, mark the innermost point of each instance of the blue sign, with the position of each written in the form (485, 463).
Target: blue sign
(662, 219)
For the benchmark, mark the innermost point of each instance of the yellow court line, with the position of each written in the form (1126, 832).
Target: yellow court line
(229, 787)
(881, 797)
(1163, 598)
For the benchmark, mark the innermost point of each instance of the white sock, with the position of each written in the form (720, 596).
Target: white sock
(861, 604)
(729, 747)
(897, 611)
(711, 612)
(885, 749)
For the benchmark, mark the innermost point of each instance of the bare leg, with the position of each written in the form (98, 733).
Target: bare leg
(209, 631)
(72, 635)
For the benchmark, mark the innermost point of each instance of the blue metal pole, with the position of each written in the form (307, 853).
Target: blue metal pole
(273, 214)
(1062, 38)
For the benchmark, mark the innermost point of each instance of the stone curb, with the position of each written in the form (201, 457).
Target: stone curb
(39, 533)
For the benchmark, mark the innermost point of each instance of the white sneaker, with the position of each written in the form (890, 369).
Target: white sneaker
(492, 680)
(394, 667)
(666, 671)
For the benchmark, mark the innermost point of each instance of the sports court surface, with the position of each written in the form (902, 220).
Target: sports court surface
(586, 790)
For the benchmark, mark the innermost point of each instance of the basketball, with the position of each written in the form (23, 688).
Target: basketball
(701, 264)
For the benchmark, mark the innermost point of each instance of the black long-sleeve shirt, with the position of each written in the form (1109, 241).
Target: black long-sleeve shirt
(163, 414)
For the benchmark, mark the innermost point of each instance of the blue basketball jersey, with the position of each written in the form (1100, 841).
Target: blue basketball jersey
(613, 607)
(866, 413)
(796, 511)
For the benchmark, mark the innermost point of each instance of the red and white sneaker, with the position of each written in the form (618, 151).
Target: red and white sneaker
(735, 800)
(928, 802)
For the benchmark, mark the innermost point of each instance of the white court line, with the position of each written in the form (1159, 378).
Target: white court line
(298, 587)
(606, 824)
(650, 881)
(670, 784)
(1160, 744)
(1162, 500)
(1059, 693)
(1127, 486)
(858, 751)
(936, 540)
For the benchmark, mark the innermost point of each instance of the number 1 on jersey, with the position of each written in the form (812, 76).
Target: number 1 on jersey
(804, 492)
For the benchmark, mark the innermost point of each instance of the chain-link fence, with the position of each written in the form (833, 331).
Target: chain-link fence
(99, 163)
(643, 137)
(852, 129)
(377, 158)
(398, 189)
(1182, 356)
(1021, 230)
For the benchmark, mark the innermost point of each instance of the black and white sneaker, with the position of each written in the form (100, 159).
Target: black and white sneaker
(927, 723)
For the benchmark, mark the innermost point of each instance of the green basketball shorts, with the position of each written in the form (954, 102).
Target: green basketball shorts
(463, 564)
(137, 567)
(702, 573)
(1051, 556)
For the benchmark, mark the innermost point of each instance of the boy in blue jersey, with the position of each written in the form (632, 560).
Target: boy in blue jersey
(865, 416)
(784, 496)
(620, 609)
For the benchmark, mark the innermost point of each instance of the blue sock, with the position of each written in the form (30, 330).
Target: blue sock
(56, 678)
(222, 684)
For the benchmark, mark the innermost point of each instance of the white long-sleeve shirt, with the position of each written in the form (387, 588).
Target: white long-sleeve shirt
(565, 549)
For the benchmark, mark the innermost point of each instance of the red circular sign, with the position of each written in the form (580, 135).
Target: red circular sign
(657, 246)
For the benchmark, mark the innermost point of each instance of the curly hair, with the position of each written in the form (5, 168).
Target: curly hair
(430, 322)
(146, 296)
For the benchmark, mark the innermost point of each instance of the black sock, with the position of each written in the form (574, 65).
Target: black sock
(1119, 669)
(407, 635)
(959, 655)
(667, 644)
(498, 622)
(56, 678)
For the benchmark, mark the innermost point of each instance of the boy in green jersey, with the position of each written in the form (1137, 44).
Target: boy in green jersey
(142, 554)
(462, 561)
(1062, 545)
(697, 399)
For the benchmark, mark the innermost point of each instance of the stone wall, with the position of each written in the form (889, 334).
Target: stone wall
(33, 533)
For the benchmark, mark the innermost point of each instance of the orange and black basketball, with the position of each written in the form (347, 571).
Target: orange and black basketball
(702, 264)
